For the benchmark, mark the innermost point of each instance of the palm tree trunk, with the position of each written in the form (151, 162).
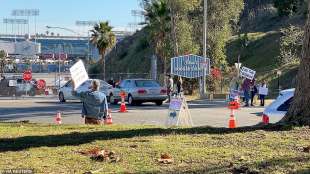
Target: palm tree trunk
(299, 112)
(103, 64)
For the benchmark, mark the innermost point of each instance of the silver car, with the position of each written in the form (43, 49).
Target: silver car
(65, 92)
(139, 91)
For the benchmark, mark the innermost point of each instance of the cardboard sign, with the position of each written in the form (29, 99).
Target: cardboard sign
(263, 91)
(12, 83)
(247, 73)
(78, 73)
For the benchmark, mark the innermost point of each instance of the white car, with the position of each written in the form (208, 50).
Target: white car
(278, 108)
(65, 92)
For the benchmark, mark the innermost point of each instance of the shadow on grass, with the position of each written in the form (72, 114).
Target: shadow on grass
(265, 166)
(78, 138)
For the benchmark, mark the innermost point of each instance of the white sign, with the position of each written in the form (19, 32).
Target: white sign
(78, 73)
(190, 66)
(12, 83)
(179, 114)
(247, 73)
(262, 91)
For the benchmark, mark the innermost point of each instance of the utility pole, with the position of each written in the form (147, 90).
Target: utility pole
(205, 32)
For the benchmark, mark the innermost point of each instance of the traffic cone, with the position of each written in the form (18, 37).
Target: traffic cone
(265, 119)
(108, 120)
(58, 117)
(123, 107)
(232, 122)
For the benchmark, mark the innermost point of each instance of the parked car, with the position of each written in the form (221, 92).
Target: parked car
(278, 108)
(139, 91)
(65, 92)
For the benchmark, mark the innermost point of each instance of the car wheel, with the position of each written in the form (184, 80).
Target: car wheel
(131, 101)
(159, 103)
(61, 97)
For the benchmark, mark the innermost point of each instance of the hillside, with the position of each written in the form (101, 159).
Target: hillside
(259, 20)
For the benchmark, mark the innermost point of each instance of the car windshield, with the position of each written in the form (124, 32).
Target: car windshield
(146, 83)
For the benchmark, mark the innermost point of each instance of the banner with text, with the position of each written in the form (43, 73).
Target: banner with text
(247, 73)
(190, 66)
(78, 73)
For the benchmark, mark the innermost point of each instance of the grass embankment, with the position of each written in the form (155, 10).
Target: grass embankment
(261, 55)
(54, 149)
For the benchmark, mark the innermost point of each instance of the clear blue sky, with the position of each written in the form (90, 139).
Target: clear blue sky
(64, 13)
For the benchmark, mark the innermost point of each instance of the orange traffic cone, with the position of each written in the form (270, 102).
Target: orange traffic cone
(108, 120)
(265, 119)
(58, 117)
(232, 122)
(123, 107)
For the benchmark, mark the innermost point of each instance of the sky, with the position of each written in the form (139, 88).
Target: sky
(64, 13)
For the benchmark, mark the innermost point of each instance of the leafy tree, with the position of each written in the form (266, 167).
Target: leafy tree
(299, 111)
(290, 45)
(2, 61)
(286, 7)
(104, 39)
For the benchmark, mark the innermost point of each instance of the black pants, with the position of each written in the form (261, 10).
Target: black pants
(262, 100)
(252, 97)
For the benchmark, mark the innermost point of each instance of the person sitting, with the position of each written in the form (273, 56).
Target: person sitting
(95, 106)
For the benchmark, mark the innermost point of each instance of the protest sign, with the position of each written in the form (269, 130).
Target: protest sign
(78, 73)
(179, 114)
(247, 73)
(262, 91)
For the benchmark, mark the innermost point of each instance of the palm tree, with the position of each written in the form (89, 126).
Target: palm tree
(103, 38)
(157, 16)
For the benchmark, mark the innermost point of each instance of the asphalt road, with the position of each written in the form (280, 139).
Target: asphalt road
(204, 112)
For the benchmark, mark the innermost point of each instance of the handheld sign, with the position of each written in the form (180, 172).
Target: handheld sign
(78, 73)
(247, 73)
(263, 91)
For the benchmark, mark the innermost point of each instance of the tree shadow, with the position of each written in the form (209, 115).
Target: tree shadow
(78, 138)
(238, 168)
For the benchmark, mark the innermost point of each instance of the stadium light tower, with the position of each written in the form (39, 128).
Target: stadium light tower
(7, 21)
(28, 13)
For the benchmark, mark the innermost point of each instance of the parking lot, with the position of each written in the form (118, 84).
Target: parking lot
(204, 112)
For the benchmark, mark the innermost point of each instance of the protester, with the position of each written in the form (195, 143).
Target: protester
(179, 85)
(262, 94)
(95, 104)
(169, 87)
(246, 90)
(253, 89)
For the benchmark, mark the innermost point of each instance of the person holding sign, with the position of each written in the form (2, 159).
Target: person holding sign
(263, 91)
(95, 106)
(246, 90)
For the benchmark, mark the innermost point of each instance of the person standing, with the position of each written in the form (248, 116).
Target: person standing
(262, 93)
(253, 89)
(169, 87)
(246, 90)
(95, 106)
(179, 85)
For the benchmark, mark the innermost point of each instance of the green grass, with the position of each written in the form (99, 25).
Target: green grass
(53, 149)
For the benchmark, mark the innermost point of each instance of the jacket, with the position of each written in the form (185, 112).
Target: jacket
(94, 104)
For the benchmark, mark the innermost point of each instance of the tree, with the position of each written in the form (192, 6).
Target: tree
(299, 111)
(286, 7)
(157, 18)
(2, 61)
(103, 38)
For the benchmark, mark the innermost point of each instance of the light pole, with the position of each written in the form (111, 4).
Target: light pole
(205, 32)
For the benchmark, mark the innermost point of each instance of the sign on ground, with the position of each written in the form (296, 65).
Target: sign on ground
(247, 73)
(190, 66)
(78, 73)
